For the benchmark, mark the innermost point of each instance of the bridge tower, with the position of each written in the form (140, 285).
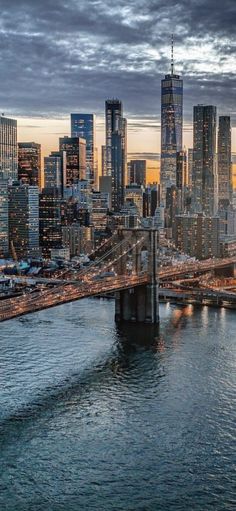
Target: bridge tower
(138, 254)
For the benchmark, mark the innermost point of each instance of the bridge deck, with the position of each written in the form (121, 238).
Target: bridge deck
(37, 301)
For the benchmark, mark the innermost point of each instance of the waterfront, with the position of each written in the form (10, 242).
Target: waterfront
(95, 416)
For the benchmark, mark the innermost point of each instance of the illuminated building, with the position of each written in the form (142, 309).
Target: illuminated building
(197, 235)
(190, 168)
(4, 226)
(98, 217)
(78, 238)
(104, 159)
(204, 177)
(50, 220)
(24, 219)
(8, 149)
(137, 172)
(75, 167)
(83, 126)
(134, 194)
(114, 114)
(181, 177)
(225, 185)
(171, 128)
(116, 150)
(29, 163)
(54, 170)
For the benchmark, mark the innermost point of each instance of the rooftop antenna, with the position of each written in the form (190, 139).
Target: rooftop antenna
(172, 54)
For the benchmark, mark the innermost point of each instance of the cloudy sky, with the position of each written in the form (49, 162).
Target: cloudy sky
(70, 55)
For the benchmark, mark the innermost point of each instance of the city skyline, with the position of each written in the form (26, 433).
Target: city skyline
(119, 51)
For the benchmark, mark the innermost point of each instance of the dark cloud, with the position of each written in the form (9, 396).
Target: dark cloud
(61, 56)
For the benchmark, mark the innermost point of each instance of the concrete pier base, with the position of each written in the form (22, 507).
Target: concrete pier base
(138, 305)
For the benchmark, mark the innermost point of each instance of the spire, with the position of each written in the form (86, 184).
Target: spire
(172, 54)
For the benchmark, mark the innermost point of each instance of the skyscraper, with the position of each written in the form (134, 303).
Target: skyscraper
(29, 163)
(24, 219)
(171, 127)
(50, 230)
(137, 172)
(114, 114)
(83, 126)
(224, 162)
(116, 150)
(190, 167)
(4, 241)
(53, 170)
(204, 177)
(75, 148)
(8, 149)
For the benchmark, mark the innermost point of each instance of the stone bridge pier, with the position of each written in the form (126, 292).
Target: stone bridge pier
(140, 249)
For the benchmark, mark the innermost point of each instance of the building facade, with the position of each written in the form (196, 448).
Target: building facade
(29, 163)
(225, 184)
(171, 129)
(204, 176)
(24, 220)
(50, 229)
(75, 166)
(4, 224)
(8, 149)
(197, 235)
(53, 171)
(83, 126)
(137, 172)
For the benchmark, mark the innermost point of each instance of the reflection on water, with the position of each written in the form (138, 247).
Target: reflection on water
(95, 415)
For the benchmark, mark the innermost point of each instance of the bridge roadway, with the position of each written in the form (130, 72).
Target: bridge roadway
(39, 300)
(195, 268)
(216, 297)
(166, 273)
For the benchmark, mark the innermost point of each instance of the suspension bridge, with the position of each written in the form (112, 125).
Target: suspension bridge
(128, 265)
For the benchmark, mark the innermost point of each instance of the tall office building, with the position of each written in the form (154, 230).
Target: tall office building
(225, 185)
(50, 229)
(24, 219)
(118, 153)
(114, 114)
(83, 126)
(116, 150)
(53, 170)
(204, 177)
(190, 167)
(4, 228)
(171, 127)
(181, 177)
(137, 172)
(8, 149)
(104, 160)
(29, 163)
(197, 235)
(75, 149)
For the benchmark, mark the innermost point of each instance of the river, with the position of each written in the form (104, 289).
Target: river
(95, 416)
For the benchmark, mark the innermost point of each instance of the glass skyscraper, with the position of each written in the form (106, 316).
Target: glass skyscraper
(171, 128)
(116, 150)
(24, 219)
(225, 185)
(83, 126)
(75, 169)
(4, 228)
(204, 177)
(8, 149)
